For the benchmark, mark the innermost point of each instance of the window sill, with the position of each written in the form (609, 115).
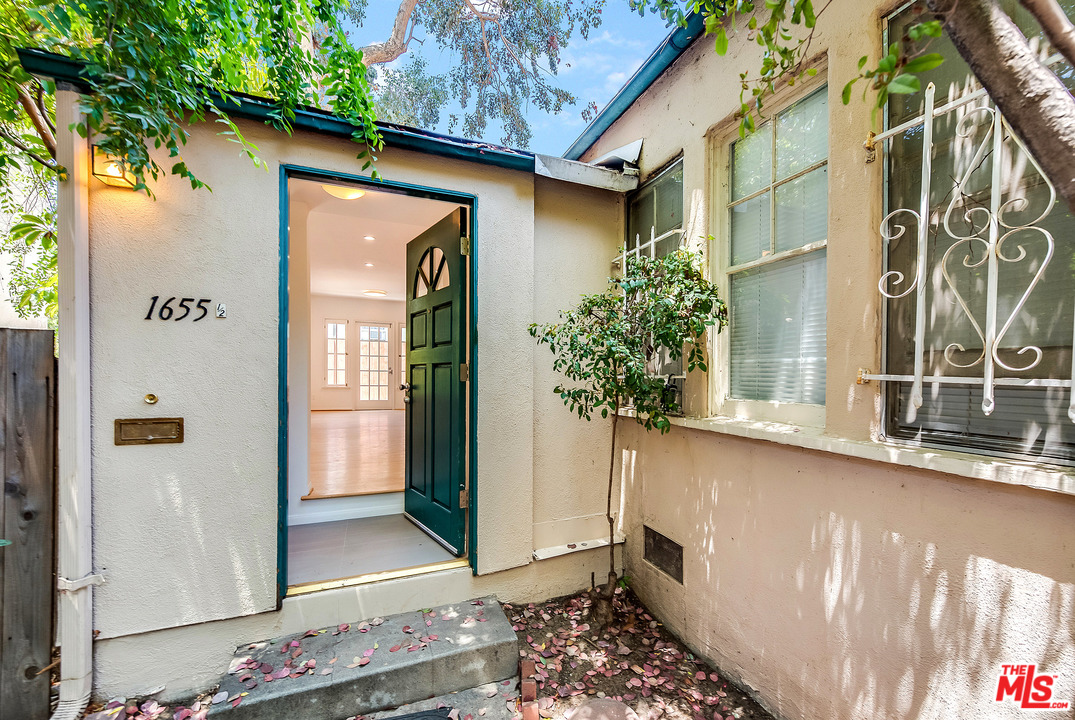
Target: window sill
(1009, 472)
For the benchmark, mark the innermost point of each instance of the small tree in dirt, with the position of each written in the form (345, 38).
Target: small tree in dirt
(607, 346)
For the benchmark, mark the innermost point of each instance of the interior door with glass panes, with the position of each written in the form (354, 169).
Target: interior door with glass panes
(374, 374)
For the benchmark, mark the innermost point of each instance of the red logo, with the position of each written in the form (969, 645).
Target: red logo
(1024, 685)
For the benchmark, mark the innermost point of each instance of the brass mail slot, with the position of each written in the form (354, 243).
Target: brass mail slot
(149, 431)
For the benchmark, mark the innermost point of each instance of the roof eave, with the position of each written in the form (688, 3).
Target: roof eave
(64, 69)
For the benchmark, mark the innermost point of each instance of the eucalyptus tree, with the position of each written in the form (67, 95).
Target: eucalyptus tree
(1031, 96)
(505, 56)
(153, 69)
(606, 348)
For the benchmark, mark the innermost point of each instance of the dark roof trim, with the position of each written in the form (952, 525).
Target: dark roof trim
(666, 53)
(64, 69)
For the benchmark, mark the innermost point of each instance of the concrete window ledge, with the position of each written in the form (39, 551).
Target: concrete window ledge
(1010, 472)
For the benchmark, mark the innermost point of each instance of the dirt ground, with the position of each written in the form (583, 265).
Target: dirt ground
(636, 661)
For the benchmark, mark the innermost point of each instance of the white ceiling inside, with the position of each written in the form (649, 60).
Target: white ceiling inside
(336, 236)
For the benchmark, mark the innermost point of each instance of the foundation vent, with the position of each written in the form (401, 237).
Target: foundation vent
(664, 553)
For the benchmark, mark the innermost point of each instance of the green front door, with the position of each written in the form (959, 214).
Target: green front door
(435, 386)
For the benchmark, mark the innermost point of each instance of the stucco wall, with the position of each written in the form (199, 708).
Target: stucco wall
(835, 586)
(185, 534)
(577, 233)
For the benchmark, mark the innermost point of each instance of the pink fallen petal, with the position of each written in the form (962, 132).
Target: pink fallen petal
(236, 701)
(265, 668)
(699, 675)
(407, 629)
(454, 714)
(368, 653)
(294, 643)
(364, 661)
(281, 673)
(326, 671)
(344, 627)
(481, 711)
(267, 678)
(394, 648)
(714, 677)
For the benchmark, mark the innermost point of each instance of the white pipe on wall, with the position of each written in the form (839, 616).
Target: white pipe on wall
(74, 532)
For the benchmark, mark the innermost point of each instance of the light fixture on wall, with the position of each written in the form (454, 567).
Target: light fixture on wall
(378, 293)
(111, 171)
(343, 192)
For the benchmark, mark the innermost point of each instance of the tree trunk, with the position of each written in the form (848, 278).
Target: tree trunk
(1032, 99)
(612, 577)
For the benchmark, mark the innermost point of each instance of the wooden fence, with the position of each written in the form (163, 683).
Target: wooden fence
(27, 520)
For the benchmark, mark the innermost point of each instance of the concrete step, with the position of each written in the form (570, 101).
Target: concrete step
(492, 701)
(339, 672)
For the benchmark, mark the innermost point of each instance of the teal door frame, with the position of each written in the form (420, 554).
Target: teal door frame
(298, 172)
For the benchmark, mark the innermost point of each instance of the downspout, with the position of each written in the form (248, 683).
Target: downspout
(75, 577)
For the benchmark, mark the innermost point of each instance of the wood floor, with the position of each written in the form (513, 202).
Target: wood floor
(348, 548)
(356, 452)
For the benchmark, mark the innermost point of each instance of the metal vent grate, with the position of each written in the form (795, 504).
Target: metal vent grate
(664, 553)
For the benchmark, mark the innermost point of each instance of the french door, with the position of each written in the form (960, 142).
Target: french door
(374, 375)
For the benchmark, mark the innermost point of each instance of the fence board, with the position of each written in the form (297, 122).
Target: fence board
(27, 519)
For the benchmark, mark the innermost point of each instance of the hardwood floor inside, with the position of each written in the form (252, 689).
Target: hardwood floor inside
(356, 452)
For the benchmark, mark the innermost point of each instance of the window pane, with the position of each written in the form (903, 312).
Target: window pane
(750, 230)
(331, 361)
(341, 362)
(363, 393)
(640, 219)
(331, 329)
(752, 162)
(341, 377)
(363, 363)
(331, 346)
(802, 135)
(363, 378)
(384, 392)
(668, 192)
(802, 207)
(364, 348)
(778, 331)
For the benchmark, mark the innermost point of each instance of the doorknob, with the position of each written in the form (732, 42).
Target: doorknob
(405, 386)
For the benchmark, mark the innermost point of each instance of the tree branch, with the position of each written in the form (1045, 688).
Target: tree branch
(37, 119)
(1058, 28)
(1029, 95)
(13, 140)
(396, 45)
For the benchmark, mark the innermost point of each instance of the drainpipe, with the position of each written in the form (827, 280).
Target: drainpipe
(75, 578)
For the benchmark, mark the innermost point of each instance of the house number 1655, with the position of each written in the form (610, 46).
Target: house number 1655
(171, 310)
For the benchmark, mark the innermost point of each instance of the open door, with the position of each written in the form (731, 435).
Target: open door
(435, 383)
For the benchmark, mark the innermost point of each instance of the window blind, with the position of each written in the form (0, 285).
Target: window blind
(778, 331)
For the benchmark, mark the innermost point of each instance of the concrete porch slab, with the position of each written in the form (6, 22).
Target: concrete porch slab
(338, 672)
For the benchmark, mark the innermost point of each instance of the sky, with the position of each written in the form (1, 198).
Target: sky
(592, 69)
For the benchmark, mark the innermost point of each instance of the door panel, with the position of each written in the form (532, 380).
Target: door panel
(437, 312)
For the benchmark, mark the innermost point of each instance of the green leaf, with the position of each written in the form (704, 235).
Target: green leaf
(721, 41)
(904, 85)
(846, 94)
(922, 63)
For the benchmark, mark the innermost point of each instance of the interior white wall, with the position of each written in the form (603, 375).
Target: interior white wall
(354, 309)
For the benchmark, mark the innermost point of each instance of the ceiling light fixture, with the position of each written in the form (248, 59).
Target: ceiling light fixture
(369, 237)
(369, 264)
(375, 292)
(342, 192)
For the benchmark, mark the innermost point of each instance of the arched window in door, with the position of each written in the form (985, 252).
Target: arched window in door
(432, 274)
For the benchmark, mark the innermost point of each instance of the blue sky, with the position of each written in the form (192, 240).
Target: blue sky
(592, 69)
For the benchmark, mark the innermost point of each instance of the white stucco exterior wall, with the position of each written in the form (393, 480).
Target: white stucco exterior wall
(832, 585)
(185, 534)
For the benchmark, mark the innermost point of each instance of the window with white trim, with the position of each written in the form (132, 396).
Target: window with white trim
(336, 353)
(979, 321)
(777, 220)
(655, 229)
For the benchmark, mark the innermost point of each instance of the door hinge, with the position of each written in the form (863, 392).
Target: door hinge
(464, 372)
(464, 246)
(464, 499)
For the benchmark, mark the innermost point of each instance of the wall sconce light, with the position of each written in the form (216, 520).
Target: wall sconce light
(342, 192)
(111, 171)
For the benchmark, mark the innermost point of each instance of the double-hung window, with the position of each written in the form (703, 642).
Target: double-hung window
(777, 225)
(655, 229)
(976, 363)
